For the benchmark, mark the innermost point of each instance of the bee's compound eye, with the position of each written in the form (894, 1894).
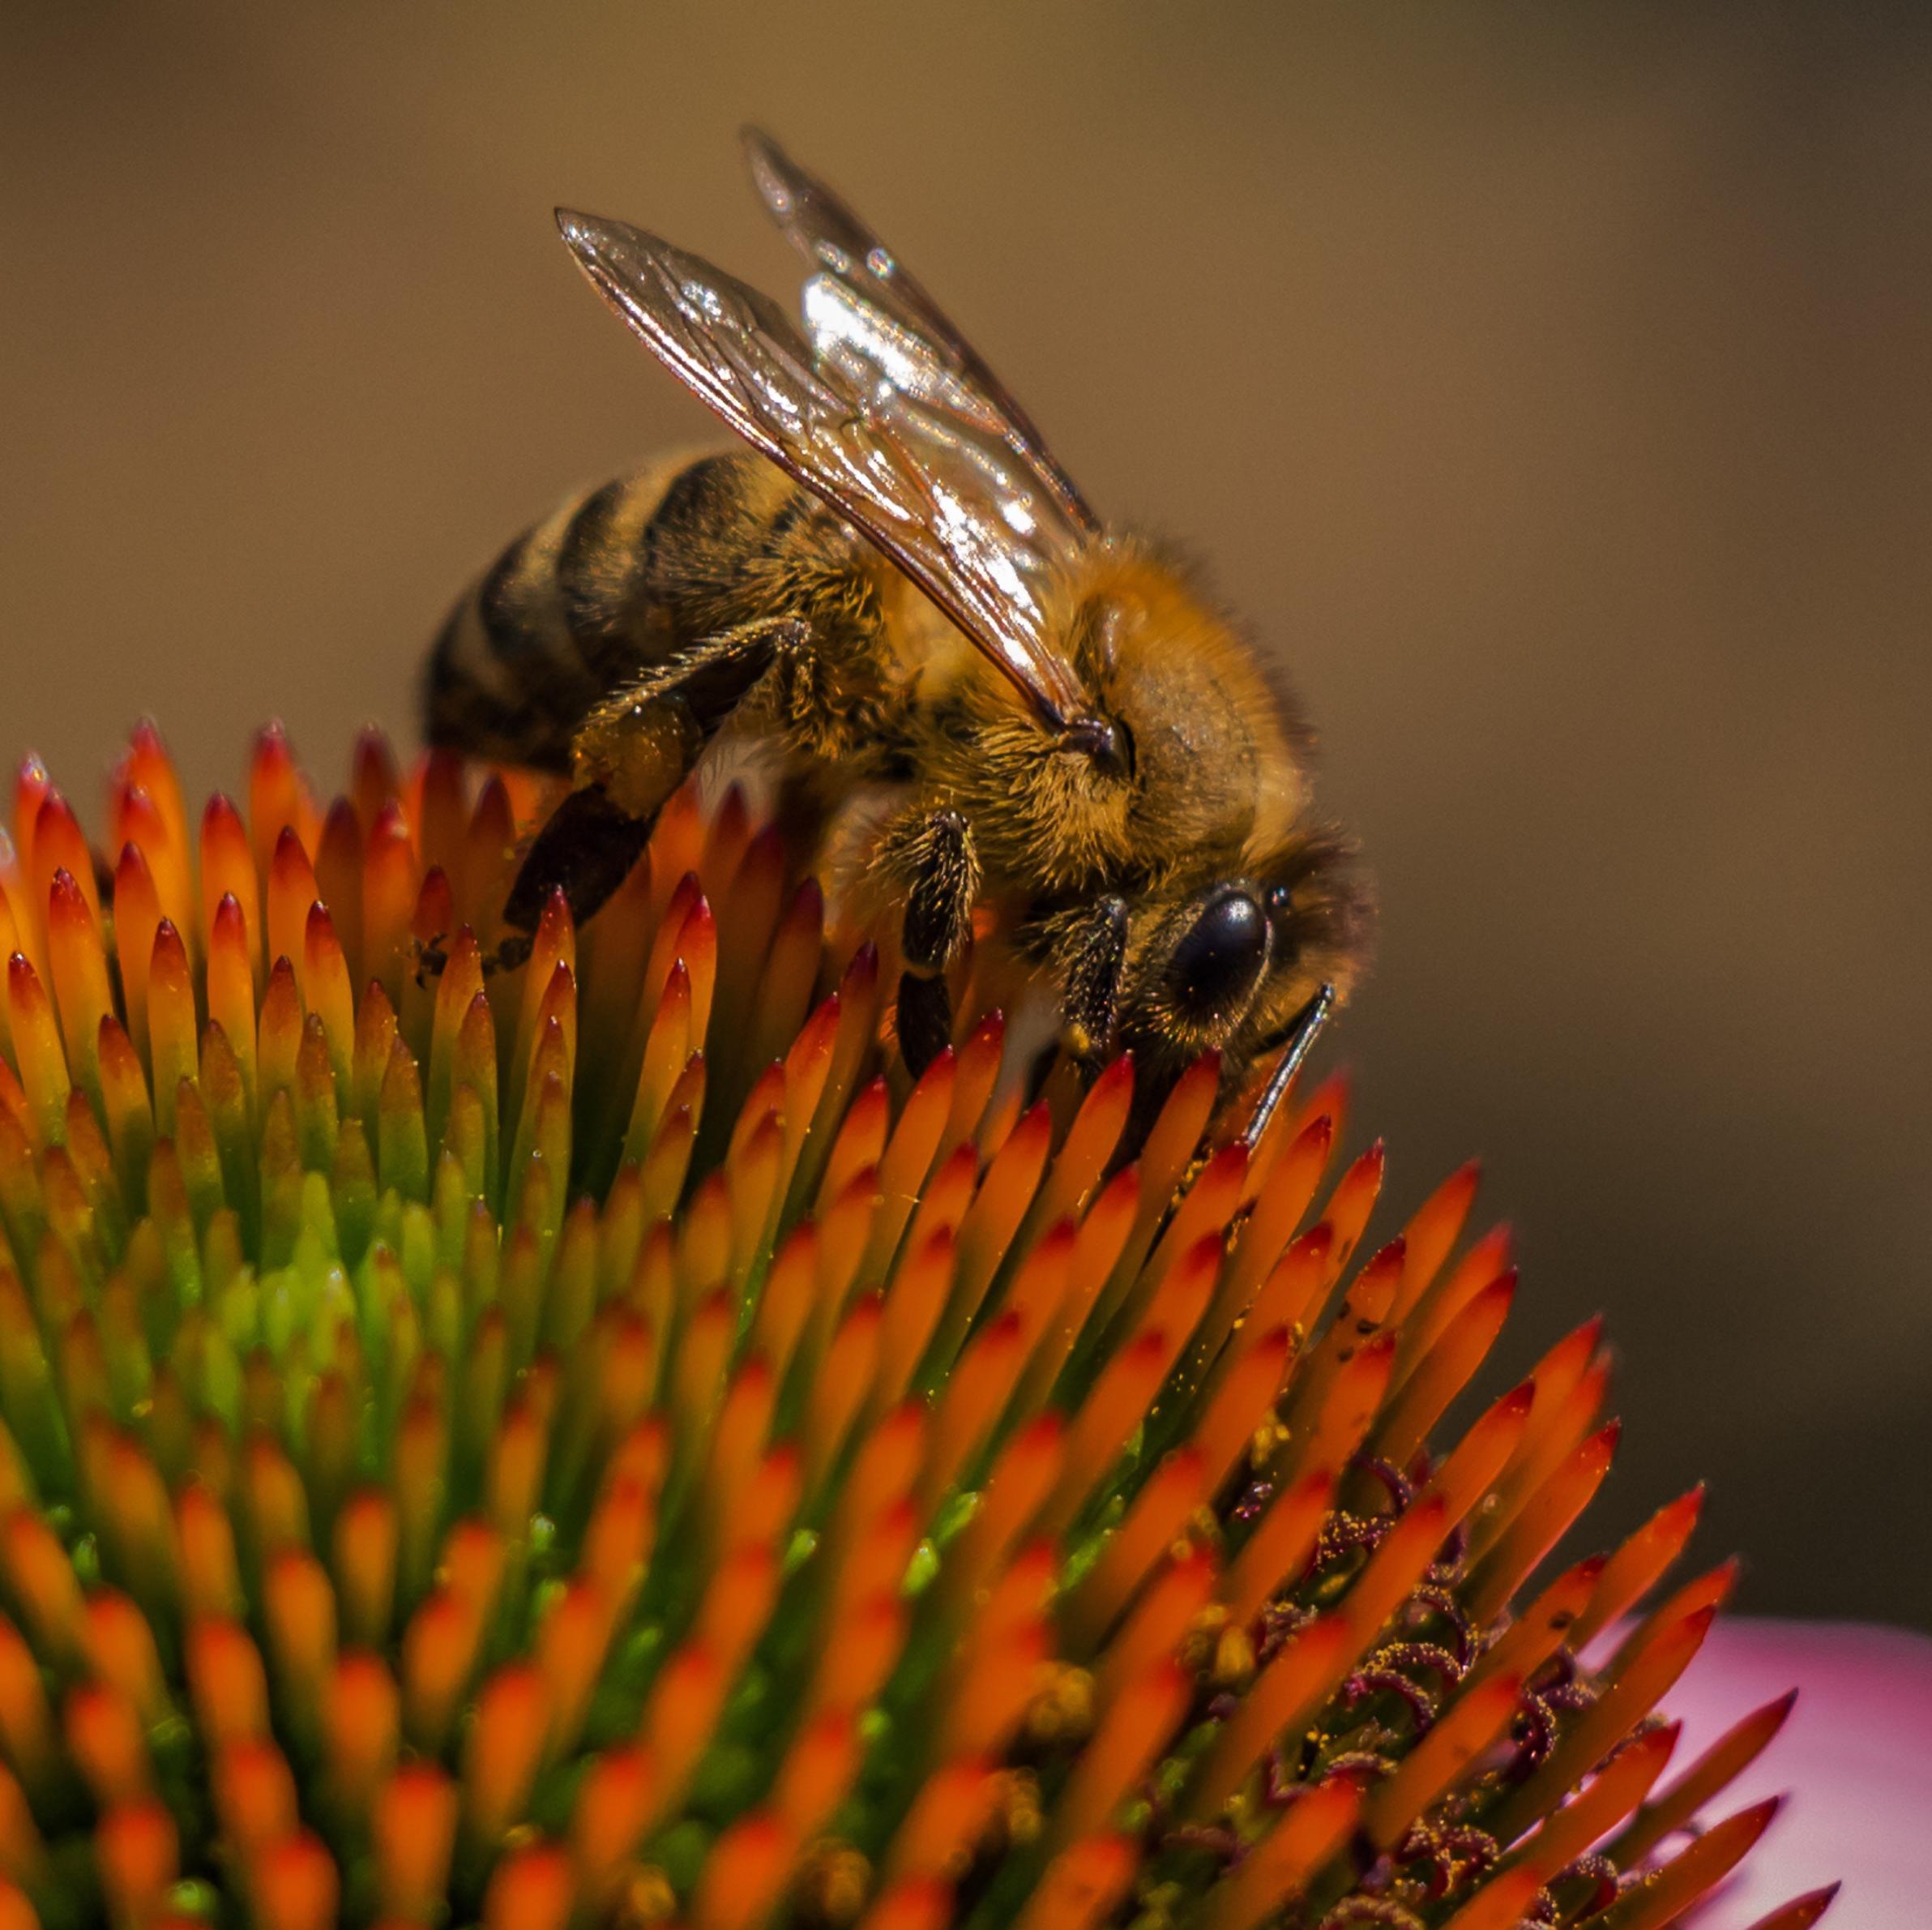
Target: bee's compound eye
(1220, 955)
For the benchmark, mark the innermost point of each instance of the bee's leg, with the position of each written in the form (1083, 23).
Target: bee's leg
(585, 851)
(1092, 953)
(944, 872)
(632, 751)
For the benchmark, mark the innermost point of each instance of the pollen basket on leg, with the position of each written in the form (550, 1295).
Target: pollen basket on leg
(605, 1443)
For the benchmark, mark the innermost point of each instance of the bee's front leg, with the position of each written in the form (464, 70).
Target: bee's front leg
(944, 869)
(1092, 953)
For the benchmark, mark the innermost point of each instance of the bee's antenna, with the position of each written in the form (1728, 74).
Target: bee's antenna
(1302, 1032)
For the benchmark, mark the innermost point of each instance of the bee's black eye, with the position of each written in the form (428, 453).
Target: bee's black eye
(1217, 960)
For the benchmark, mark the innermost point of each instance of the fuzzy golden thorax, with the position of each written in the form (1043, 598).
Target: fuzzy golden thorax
(1213, 800)
(1214, 756)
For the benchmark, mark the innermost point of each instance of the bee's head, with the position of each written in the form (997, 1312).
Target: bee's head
(1228, 964)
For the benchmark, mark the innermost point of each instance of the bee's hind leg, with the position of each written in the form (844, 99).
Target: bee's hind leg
(631, 752)
(586, 851)
(938, 855)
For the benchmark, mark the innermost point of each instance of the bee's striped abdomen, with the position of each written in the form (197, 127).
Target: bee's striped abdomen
(602, 573)
(613, 583)
(563, 617)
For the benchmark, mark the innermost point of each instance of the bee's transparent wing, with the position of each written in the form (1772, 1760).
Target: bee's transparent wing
(863, 305)
(814, 417)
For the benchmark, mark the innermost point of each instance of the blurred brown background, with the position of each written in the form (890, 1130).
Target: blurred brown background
(1550, 384)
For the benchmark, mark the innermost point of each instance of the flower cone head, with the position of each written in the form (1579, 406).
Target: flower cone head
(602, 1443)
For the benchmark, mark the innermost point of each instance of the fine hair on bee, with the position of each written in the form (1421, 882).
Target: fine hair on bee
(996, 721)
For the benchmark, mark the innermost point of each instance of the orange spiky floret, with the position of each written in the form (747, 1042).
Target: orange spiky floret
(605, 1445)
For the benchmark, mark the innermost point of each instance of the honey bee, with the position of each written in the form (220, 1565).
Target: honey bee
(982, 702)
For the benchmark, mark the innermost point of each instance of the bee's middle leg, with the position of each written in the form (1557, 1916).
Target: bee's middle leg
(944, 869)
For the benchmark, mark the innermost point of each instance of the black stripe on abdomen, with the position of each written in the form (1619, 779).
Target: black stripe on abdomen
(599, 577)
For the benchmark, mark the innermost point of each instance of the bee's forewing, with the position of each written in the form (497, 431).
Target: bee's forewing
(912, 479)
(872, 278)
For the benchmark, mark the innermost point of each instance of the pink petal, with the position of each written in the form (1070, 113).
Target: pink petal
(1856, 1756)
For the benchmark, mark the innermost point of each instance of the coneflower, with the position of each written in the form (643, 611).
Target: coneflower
(602, 1445)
